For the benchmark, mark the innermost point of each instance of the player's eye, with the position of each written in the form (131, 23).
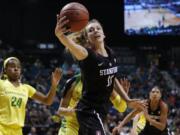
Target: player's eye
(91, 29)
(98, 28)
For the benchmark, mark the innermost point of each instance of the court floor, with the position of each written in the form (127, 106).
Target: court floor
(148, 18)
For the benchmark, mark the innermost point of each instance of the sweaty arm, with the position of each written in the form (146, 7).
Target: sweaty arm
(163, 118)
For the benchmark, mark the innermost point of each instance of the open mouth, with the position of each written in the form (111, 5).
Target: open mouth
(97, 36)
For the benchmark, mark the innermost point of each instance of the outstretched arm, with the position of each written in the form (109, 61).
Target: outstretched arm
(132, 103)
(48, 99)
(118, 128)
(77, 50)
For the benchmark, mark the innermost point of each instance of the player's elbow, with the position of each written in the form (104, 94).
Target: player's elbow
(47, 102)
(162, 127)
(82, 54)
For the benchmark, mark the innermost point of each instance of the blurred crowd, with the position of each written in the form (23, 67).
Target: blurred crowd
(39, 119)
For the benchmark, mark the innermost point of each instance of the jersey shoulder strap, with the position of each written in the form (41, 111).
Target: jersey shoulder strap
(69, 83)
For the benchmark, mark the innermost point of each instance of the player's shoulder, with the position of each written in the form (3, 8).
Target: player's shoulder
(25, 85)
(163, 105)
(111, 51)
(70, 80)
(1, 82)
(162, 102)
(4, 82)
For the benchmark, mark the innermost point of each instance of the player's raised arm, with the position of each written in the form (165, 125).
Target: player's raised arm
(48, 98)
(132, 103)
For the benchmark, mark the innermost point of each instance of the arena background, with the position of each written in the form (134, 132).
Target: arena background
(27, 31)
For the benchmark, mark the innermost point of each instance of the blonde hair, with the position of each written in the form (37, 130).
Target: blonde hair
(78, 38)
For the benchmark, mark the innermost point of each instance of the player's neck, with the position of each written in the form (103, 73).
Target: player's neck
(101, 50)
(154, 105)
(16, 83)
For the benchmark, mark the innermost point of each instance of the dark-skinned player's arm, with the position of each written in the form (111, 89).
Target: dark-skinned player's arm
(132, 103)
(161, 124)
(48, 98)
(128, 117)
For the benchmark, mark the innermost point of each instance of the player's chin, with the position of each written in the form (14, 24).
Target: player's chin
(99, 39)
(16, 76)
(156, 98)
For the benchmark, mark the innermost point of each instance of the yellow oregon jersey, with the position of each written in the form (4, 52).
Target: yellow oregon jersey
(119, 104)
(13, 103)
(140, 123)
(70, 124)
(76, 95)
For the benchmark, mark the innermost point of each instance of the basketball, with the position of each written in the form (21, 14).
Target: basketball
(77, 14)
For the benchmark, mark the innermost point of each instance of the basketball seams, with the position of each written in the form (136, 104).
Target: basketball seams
(72, 18)
(77, 14)
(69, 10)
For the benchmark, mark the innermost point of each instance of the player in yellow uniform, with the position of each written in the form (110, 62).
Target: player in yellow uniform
(71, 95)
(14, 96)
(139, 122)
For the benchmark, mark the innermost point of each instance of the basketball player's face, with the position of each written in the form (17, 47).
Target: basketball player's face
(155, 94)
(95, 33)
(13, 70)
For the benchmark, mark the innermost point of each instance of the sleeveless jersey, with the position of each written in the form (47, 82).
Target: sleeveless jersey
(70, 123)
(151, 130)
(98, 73)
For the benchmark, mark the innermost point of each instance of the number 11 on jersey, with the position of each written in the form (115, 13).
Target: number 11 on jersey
(109, 80)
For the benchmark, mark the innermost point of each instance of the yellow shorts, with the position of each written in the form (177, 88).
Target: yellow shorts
(68, 129)
(5, 130)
